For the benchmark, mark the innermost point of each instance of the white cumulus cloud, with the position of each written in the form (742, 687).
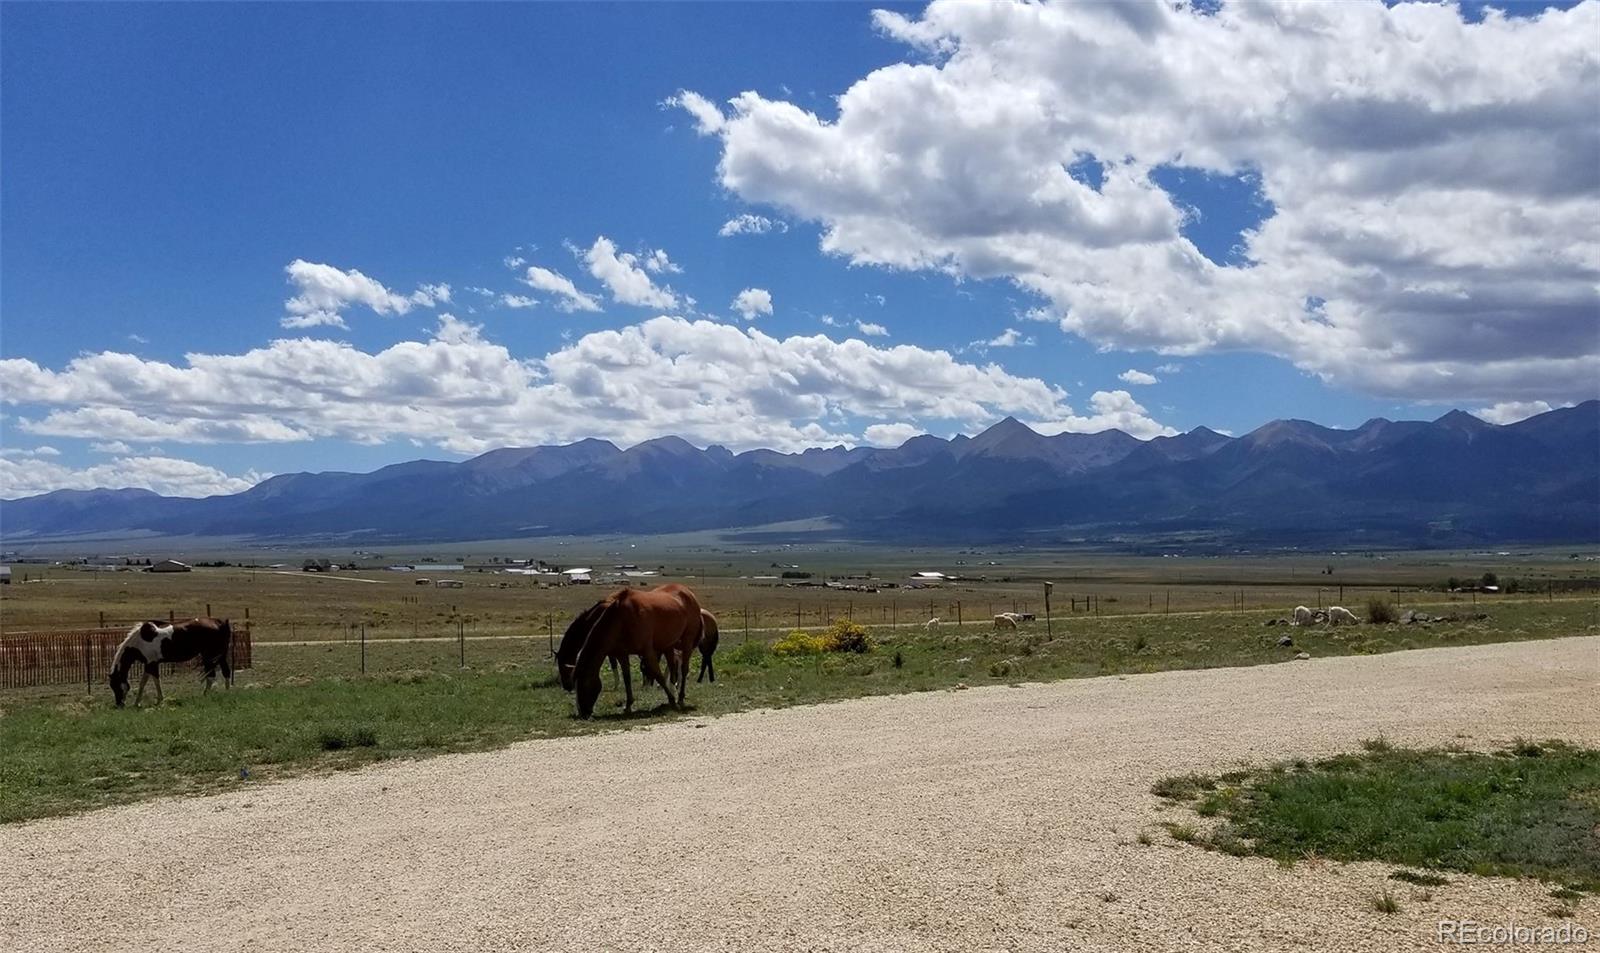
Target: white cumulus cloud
(1132, 376)
(748, 224)
(626, 276)
(706, 381)
(567, 295)
(1509, 412)
(890, 435)
(1430, 186)
(168, 476)
(323, 293)
(752, 303)
(1113, 410)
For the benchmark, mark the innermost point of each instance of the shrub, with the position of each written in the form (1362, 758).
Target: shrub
(750, 653)
(1380, 612)
(842, 636)
(847, 636)
(800, 643)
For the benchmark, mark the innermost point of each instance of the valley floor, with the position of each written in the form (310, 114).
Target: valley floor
(1004, 818)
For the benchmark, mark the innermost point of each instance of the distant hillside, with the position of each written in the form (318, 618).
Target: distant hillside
(1456, 480)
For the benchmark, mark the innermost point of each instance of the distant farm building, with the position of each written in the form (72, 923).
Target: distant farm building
(582, 577)
(439, 567)
(168, 565)
(317, 565)
(928, 579)
(449, 584)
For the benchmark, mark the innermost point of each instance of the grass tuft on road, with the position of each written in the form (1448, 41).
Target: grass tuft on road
(1532, 810)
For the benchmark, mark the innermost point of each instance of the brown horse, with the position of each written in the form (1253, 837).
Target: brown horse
(151, 643)
(665, 621)
(708, 645)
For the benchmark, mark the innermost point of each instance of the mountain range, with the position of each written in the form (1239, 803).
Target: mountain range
(1452, 481)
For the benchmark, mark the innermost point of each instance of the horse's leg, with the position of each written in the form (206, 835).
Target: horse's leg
(653, 668)
(211, 675)
(227, 671)
(142, 680)
(627, 683)
(681, 663)
(156, 674)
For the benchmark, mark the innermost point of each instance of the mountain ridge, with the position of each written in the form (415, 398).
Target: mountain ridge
(1442, 482)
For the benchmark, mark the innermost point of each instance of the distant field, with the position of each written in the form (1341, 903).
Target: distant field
(289, 605)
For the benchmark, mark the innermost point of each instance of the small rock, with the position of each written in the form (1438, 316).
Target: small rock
(961, 686)
(1302, 656)
(1285, 641)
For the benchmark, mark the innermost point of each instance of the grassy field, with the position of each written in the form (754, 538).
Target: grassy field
(289, 605)
(1532, 810)
(305, 707)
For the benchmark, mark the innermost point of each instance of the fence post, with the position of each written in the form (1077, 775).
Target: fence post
(746, 612)
(958, 612)
(1047, 628)
(461, 640)
(88, 664)
(363, 648)
(208, 610)
(102, 618)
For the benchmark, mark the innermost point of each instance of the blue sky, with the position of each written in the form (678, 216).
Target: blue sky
(164, 165)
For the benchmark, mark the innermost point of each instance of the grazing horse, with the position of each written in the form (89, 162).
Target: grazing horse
(650, 624)
(151, 643)
(708, 645)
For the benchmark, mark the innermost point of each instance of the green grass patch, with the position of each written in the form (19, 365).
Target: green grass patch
(1530, 810)
(307, 708)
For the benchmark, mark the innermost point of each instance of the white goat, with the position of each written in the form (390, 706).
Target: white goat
(1339, 615)
(1302, 616)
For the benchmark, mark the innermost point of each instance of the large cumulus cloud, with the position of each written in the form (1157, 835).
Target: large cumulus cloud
(1434, 183)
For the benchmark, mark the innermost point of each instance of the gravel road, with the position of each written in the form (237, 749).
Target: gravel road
(987, 819)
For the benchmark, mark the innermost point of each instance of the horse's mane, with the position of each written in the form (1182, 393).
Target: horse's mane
(592, 653)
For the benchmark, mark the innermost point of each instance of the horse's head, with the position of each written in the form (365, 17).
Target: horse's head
(572, 643)
(588, 692)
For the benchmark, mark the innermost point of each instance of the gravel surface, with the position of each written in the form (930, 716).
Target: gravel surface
(988, 819)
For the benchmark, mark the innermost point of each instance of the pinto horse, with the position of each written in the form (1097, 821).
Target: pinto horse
(151, 643)
(665, 621)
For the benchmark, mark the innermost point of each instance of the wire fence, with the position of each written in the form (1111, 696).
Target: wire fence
(84, 656)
